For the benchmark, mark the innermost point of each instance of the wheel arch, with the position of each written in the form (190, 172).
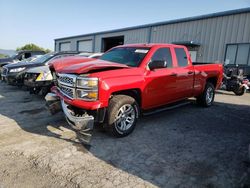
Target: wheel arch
(213, 80)
(135, 93)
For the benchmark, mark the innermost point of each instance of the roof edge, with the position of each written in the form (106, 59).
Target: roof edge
(193, 18)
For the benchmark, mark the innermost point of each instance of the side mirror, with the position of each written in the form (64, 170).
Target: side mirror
(158, 64)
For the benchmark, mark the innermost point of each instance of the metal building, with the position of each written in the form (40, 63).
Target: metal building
(213, 37)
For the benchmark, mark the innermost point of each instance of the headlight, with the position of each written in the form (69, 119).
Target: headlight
(88, 95)
(43, 76)
(17, 69)
(87, 88)
(88, 83)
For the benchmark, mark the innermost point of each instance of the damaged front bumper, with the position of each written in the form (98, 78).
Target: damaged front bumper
(80, 122)
(83, 124)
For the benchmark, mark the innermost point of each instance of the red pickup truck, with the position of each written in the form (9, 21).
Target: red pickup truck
(128, 81)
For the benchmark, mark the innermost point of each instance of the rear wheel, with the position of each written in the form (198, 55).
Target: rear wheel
(239, 91)
(122, 115)
(206, 99)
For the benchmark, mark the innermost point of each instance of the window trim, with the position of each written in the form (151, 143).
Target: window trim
(177, 62)
(170, 50)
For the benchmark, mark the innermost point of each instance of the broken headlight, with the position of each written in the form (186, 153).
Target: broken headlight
(87, 88)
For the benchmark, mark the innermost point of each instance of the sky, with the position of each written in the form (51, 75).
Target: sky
(41, 21)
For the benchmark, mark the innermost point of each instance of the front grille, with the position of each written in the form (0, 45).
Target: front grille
(69, 92)
(66, 84)
(4, 71)
(66, 79)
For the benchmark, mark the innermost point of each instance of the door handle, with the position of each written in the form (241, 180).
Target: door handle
(190, 72)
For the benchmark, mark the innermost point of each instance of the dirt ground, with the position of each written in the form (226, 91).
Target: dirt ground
(185, 147)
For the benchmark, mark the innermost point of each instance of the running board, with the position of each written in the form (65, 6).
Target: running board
(167, 108)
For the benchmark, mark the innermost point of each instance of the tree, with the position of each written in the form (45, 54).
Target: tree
(32, 46)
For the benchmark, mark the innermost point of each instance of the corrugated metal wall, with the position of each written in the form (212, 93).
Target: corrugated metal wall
(213, 34)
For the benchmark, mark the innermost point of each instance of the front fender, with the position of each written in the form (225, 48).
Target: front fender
(112, 85)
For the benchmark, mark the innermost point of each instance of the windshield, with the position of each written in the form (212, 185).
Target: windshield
(43, 58)
(14, 56)
(130, 56)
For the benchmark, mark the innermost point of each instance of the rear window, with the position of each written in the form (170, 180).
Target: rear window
(181, 57)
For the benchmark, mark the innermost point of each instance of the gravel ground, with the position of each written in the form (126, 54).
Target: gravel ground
(186, 147)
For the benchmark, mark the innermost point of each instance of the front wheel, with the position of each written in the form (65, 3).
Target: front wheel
(239, 91)
(122, 115)
(206, 99)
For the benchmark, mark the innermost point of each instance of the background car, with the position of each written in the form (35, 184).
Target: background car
(14, 73)
(41, 78)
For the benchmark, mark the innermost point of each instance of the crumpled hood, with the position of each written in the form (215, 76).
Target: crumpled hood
(40, 69)
(6, 60)
(58, 64)
(91, 65)
(25, 64)
(17, 65)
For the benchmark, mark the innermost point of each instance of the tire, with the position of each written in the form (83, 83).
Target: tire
(35, 90)
(239, 92)
(45, 91)
(122, 114)
(100, 127)
(206, 99)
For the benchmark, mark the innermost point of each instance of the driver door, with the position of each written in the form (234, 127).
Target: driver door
(161, 83)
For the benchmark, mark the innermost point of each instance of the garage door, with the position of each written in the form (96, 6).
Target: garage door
(64, 46)
(84, 45)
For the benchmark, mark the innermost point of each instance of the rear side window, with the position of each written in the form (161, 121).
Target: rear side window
(27, 55)
(163, 54)
(181, 57)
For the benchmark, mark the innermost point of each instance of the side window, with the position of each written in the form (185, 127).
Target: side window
(163, 54)
(181, 57)
(20, 57)
(27, 55)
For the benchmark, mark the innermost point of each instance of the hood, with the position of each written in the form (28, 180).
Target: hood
(91, 65)
(40, 69)
(22, 64)
(6, 60)
(58, 64)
